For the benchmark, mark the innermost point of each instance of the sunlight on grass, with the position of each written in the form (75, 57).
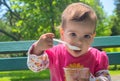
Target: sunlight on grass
(27, 75)
(24, 75)
(5, 79)
(115, 72)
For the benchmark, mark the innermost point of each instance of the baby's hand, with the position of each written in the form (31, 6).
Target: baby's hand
(45, 41)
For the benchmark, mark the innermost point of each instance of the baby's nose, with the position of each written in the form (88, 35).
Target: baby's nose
(79, 41)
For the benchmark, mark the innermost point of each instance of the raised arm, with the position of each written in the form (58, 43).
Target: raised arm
(37, 59)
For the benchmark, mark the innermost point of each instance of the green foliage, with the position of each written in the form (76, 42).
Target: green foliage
(112, 49)
(4, 27)
(30, 19)
(115, 19)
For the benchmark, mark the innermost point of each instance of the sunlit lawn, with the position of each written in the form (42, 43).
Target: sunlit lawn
(27, 75)
(114, 72)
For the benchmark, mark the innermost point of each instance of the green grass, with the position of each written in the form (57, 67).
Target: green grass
(27, 75)
(114, 72)
(24, 75)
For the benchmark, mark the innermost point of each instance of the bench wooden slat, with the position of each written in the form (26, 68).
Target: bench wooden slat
(114, 58)
(15, 46)
(106, 41)
(15, 63)
(19, 63)
(22, 46)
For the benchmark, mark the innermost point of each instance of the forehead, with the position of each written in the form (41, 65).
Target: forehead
(80, 27)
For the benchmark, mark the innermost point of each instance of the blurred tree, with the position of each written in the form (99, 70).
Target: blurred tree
(5, 33)
(5, 25)
(28, 19)
(116, 19)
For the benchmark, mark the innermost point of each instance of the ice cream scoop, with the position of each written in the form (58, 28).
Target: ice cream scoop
(70, 46)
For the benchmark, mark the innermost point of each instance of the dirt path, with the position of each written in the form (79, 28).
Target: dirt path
(115, 78)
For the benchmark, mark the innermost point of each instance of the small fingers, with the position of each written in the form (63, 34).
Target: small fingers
(46, 40)
(50, 42)
(50, 35)
(47, 36)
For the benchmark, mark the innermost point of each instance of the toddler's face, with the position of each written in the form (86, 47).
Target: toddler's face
(78, 34)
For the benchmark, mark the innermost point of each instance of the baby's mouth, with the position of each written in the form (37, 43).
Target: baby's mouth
(77, 51)
(72, 47)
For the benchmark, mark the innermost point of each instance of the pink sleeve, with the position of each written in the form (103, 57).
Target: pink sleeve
(101, 71)
(102, 62)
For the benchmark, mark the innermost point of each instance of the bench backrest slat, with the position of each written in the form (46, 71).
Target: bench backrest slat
(22, 46)
(106, 42)
(15, 63)
(114, 58)
(15, 46)
(19, 63)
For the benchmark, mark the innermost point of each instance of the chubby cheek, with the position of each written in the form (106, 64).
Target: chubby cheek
(85, 46)
(85, 49)
(65, 38)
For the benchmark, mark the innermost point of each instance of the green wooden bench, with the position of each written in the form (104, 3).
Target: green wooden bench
(19, 63)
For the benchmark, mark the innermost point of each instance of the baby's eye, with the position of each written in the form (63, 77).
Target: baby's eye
(87, 36)
(73, 34)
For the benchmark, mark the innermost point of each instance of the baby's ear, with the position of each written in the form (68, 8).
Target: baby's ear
(61, 33)
(94, 34)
